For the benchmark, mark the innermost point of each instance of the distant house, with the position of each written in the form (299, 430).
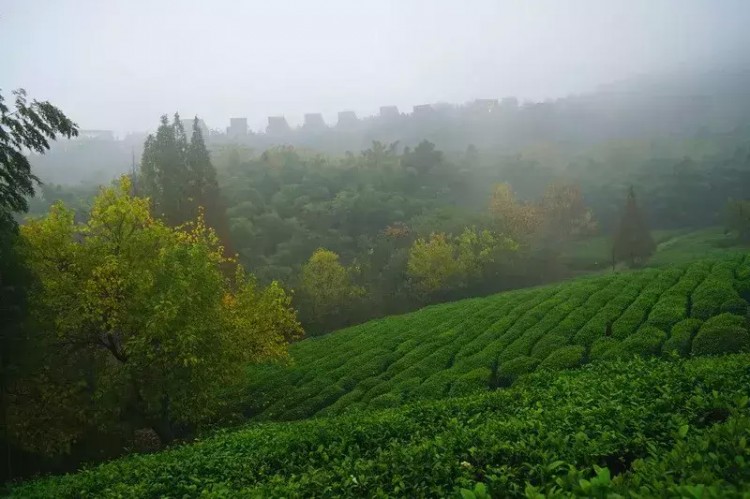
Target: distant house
(96, 135)
(347, 119)
(422, 110)
(389, 112)
(314, 121)
(277, 125)
(237, 128)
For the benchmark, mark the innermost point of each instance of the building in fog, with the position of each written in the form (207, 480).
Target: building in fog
(237, 128)
(96, 134)
(188, 126)
(277, 125)
(347, 119)
(389, 112)
(313, 121)
(422, 110)
(483, 106)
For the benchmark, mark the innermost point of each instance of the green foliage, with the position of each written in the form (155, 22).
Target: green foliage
(136, 323)
(443, 263)
(646, 428)
(564, 358)
(178, 176)
(510, 371)
(725, 333)
(646, 342)
(26, 127)
(716, 290)
(601, 347)
(450, 348)
(681, 336)
(327, 287)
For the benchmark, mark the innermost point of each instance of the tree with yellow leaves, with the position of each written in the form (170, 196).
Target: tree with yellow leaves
(136, 324)
(327, 287)
(443, 263)
(515, 219)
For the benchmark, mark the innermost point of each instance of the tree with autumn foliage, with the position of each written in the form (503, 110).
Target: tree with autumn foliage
(516, 219)
(136, 324)
(443, 263)
(327, 288)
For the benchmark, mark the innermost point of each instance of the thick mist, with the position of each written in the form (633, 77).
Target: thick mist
(121, 65)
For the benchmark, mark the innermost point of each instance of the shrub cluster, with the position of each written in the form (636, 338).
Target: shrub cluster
(642, 428)
(478, 344)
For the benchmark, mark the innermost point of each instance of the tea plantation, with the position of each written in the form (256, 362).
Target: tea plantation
(637, 428)
(474, 345)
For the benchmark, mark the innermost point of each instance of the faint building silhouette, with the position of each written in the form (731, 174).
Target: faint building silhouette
(277, 125)
(237, 128)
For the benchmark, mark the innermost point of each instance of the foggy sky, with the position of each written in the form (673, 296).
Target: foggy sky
(121, 64)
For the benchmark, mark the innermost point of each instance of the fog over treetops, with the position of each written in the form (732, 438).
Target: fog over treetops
(118, 66)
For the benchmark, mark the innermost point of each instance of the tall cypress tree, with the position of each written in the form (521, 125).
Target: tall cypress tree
(203, 187)
(632, 242)
(164, 171)
(179, 177)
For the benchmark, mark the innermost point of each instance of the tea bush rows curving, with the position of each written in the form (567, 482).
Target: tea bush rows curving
(638, 428)
(481, 343)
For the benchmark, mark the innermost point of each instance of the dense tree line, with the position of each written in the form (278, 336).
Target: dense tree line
(127, 325)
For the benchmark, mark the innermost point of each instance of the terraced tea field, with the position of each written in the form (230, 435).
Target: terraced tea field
(462, 347)
(639, 428)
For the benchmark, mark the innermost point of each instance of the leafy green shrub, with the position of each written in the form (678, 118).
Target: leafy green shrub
(548, 344)
(667, 312)
(725, 333)
(743, 288)
(736, 306)
(601, 346)
(645, 342)
(681, 336)
(717, 289)
(421, 355)
(473, 381)
(557, 434)
(509, 371)
(564, 358)
(384, 400)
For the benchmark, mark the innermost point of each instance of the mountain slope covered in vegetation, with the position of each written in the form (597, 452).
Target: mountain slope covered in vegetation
(471, 345)
(646, 427)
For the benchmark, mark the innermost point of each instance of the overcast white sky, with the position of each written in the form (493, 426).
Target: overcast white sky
(121, 64)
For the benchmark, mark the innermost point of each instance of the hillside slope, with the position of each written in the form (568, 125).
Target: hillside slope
(458, 348)
(657, 428)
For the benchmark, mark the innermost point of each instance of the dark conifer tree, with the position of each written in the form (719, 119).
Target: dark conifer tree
(632, 242)
(203, 188)
(164, 172)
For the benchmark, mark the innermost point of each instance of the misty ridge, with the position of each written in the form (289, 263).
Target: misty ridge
(662, 108)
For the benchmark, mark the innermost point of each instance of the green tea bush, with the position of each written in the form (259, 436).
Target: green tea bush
(646, 342)
(548, 344)
(736, 306)
(600, 348)
(725, 333)
(508, 372)
(422, 355)
(564, 358)
(473, 381)
(643, 428)
(716, 290)
(681, 337)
